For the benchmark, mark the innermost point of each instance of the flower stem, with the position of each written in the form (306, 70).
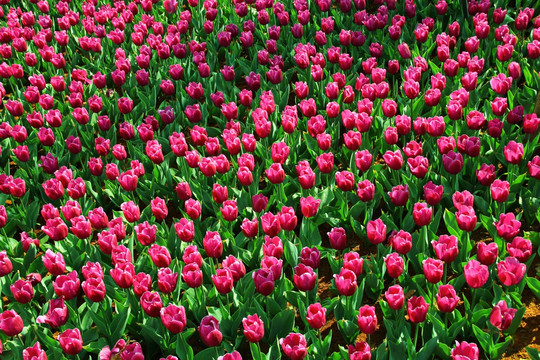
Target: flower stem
(416, 335)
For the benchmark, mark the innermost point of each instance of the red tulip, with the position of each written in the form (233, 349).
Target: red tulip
(294, 346)
(395, 297)
(71, 341)
(502, 316)
(367, 319)
(417, 309)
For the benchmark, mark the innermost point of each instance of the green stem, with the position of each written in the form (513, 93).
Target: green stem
(444, 273)
(416, 335)
(474, 294)
(425, 238)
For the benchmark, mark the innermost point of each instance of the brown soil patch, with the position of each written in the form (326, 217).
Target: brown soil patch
(528, 333)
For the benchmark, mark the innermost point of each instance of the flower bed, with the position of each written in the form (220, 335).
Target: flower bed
(266, 180)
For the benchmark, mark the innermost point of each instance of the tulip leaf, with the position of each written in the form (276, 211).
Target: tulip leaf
(349, 329)
(291, 253)
(100, 323)
(183, 350)
(119, 323)
(497, 351)
(534, 285)
(397, 349)
(533, 353)
(206, 354)
(455, 328)
(382, 351)
(451, 223)
(427, 350)
(29, 258)
(256, 352)
(484, 339)
(516, 321)
(282, 324)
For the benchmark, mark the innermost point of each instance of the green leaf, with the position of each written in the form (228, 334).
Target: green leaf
(206, 354)
(256, 352)
(281, 325)
(183, 350)
(451, 223)
(516, 321)
(100, 323)
(484, 339)
(428, 349)
(291, 253)
(533, 353)
(498, 350)
(348, 329)
(119, 323)
(534, 285)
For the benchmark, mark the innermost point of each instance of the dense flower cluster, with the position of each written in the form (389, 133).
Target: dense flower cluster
(259, 172)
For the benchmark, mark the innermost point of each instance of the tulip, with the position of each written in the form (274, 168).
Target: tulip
(223, 281)
(359, 351)
(433, 270)
(34, 353)
(399, 195)
(67, 286)
(476, 274)
(365, 190)
(394, 160)
(433, 193)
(466, 218)
(174, 318)
(146, 233)
(520, 248)
(367, 319)
(422, 214)
(376, 231)
(325, 162)
(395, 297)
(6, 265)
(11, 323)
(151, 303)
(294, 346)
(345, 282)
(123, 274)
(417, 309)
(304, 278)
(345, 180)
(447, 299)
(507, 226)
(71, 341)
(287, 218)
(253, 328)
(57, 314)
(264, 281)
(511, 271)
(452, 162)
(275, 173)
(394, 265)
(316, 316)
(363, 160)
(209, 331)
(132, 351)
(465, 350)
(400, 241)
(94, 289)
(502, 316)
(159, 208)
(167, 280)
(513, 152)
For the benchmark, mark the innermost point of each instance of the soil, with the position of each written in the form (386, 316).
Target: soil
(528, 333)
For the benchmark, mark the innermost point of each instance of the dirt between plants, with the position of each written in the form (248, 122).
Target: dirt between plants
(528, 333)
